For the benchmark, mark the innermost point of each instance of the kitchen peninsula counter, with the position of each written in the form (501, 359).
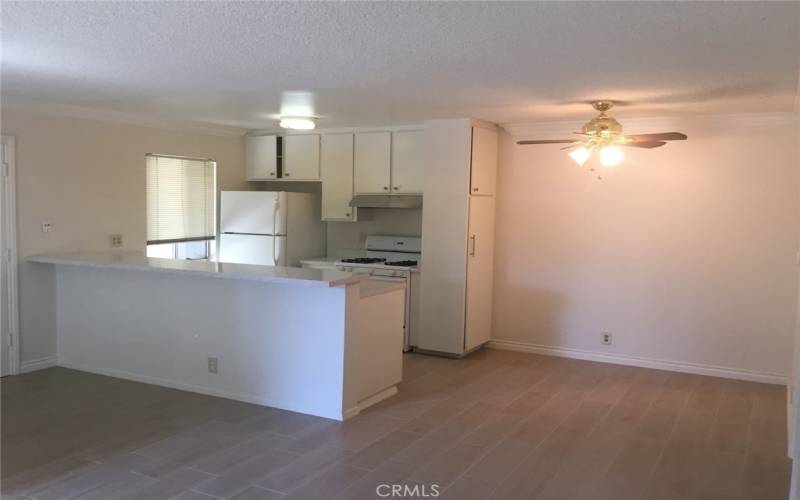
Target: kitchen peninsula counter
(305, 340)
(136, 262)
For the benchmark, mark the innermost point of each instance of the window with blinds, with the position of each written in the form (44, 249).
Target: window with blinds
(181, 199)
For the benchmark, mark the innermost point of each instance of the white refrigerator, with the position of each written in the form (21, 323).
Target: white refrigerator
(272, 228)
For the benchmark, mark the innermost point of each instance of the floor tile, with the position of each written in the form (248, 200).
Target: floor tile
(495, 424)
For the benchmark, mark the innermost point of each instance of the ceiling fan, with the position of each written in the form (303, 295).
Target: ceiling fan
(604, 134)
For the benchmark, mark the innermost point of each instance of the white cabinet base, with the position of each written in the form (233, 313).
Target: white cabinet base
(480, 273)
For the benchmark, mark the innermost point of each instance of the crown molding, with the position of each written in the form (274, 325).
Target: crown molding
(547, 130)
(47, 108)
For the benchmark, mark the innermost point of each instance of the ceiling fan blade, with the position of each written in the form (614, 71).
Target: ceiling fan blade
(573, 145)
(548, 141)
(646, 145)
(665, 136)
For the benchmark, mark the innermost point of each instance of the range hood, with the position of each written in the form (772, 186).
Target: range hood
(387, 201)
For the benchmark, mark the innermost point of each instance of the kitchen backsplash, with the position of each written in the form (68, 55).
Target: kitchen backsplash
(347, 238)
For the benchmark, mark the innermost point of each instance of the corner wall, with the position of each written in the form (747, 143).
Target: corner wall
(88, 178)
(686, 254)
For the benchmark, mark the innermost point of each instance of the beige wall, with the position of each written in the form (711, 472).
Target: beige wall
(88, 178)
(794, 393)
(685, 253)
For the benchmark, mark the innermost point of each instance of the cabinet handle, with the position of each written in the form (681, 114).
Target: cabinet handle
(475, 189)
(272, 174)
(396, 188)
(385, 188)
(286, 174)
(472, 241)
(347, 215)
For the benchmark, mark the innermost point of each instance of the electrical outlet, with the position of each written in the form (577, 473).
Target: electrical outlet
(115, 240)
(213, 365)
(606, 338)
(47, 226)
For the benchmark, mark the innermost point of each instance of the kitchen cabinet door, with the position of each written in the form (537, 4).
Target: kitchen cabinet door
(301, 157)
(483, 174)
(261, 157)
(337, 177)
(480, 258)
(407, 166)
(372, 162)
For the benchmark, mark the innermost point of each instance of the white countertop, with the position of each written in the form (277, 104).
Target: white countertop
(321, 260)
(136, 262)
(330, 261)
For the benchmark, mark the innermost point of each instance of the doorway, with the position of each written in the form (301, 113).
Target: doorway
(9, 360)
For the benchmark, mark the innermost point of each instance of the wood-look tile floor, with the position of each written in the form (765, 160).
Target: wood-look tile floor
(496, 425)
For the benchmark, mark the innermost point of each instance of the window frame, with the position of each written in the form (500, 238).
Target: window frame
(212, 243)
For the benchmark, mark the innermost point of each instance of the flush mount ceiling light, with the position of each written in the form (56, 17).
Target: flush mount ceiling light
(298, 122)
(603, 134)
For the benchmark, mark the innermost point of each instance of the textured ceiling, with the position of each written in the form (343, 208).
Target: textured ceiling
(381, 63)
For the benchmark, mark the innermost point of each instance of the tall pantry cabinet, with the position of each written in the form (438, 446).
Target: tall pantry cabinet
(457, 236)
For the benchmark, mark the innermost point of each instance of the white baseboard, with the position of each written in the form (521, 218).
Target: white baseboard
(283, 405)
(658, 364)
(38, 364)
(372, 400)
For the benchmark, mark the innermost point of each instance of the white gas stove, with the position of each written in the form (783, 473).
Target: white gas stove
(386, 256)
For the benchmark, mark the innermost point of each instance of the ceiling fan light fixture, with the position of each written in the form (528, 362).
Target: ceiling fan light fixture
(611, 156)
(298, 122)
(603, 135)
(580, 155)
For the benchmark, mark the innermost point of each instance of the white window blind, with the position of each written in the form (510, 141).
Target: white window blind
(181, 198)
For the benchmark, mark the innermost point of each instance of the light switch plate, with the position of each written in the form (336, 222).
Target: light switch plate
(115, 241)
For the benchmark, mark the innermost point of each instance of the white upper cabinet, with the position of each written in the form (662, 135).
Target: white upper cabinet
(373, 162)
(261, 157)
(407, 161)
(483, 175)
(337, 177)
(301, 157)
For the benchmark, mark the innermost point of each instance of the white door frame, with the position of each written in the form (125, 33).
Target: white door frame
(8, 245)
